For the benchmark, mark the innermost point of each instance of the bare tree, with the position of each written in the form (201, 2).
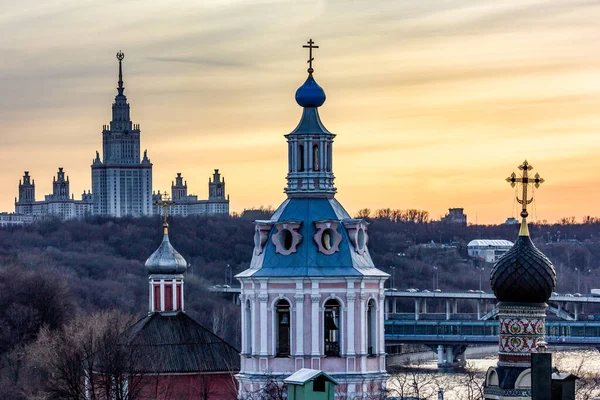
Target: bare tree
(412, 380)
(88, 359)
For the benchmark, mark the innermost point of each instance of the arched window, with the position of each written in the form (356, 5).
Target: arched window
(283, 328)
(332, 330)
(371, 328)
(301, 158)
(248, 312)
(316, 157)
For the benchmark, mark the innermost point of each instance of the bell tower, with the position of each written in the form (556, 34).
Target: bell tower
(312, 297)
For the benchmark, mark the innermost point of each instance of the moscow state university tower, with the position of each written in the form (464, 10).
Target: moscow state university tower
(121, 182)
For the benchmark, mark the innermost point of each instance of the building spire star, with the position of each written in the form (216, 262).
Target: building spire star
(525, 180)
(310, 48)
(120, 57)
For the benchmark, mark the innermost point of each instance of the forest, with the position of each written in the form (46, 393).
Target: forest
(58, 275)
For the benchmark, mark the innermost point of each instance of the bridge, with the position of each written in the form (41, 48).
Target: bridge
(450, 332)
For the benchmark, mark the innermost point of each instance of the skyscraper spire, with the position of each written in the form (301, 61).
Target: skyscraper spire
(120, 57)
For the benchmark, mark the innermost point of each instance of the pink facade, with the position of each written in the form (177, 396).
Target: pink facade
(361, 343)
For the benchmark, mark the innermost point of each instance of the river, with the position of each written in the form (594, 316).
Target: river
(421, 378)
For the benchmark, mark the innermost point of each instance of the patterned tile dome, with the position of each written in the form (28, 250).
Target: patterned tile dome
(524, 274)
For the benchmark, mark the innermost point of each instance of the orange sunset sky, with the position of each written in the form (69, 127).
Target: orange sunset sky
(434, 103)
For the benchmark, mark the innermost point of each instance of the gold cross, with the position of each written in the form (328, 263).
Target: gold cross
(525, 181)
(310, 47)
(165, 202)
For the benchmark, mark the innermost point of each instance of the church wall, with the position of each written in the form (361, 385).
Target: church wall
(186, 387)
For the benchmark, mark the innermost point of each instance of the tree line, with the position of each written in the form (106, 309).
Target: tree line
(54, 274)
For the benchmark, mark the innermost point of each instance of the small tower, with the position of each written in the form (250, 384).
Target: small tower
(60, 186)
(523, 280)
(24, 204)
(166, 267)
(178, 188)
(216, 187)
(26, 189)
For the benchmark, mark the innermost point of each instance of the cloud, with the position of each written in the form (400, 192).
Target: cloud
(199, 60)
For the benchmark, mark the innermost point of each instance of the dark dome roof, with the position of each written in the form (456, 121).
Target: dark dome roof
(166, 260)
(523, 274)
(310, 94)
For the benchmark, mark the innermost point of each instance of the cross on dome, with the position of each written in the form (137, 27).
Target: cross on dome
(165, 202)
(310, 48)
(525, 180)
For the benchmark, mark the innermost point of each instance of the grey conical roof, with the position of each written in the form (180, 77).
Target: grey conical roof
(166, 260)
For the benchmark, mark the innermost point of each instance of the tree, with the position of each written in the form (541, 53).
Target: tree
(363, 213)
(88, 359)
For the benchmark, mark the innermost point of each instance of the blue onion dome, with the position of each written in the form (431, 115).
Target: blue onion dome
(310, 94)
(166, 260)
(523, 274)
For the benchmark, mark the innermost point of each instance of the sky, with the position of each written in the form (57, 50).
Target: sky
(434, 102)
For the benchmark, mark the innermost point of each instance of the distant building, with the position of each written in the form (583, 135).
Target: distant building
(59, 204)
(511, 221)
(455, 216)
(188, 204)
(121, 182)
(489, 250)
(10, 219)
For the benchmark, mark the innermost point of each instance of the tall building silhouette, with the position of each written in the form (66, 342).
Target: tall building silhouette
(121, 182)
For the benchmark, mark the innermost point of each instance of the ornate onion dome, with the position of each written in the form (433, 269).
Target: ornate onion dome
(166, 260)
(310, 94)
(524, 274)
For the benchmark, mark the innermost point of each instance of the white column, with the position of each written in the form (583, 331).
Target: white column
(151, 305)
(262, 298)
(350, 297)
(314, 325)
(424, 306)
(182, 297)
(417, 301)
(363, 325)
(387, 309)
(447, 309)
(455, 306)
(299, 299)
(242, 323)
(380, 325)
(478, 310)
(440, 354)
(253, 322)
(174, 289)
(162, 295)
(310, 157)
(394, 306)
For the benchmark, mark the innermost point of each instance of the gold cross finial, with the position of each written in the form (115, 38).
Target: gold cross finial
(165, 202)
(310, 48)
(525, 180)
